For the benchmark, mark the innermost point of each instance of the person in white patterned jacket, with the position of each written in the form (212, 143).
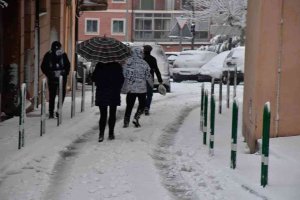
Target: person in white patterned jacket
(136, 76)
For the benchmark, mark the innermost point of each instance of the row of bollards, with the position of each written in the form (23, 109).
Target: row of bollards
(234, 127)
(22, 96)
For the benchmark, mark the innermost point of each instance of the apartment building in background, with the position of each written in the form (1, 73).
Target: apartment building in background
(144, 21)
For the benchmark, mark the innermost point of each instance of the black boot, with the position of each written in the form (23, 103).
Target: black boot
(101, 137)
(51, 115)
(136, 119)
(111, 135)
(147, 111)
(126, 122)
(136, 123)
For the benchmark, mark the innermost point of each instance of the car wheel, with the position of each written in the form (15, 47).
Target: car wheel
(176, 79)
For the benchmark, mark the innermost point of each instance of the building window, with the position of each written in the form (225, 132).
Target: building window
(201, 34)
(91, 26)
(147, 4)
(150, 26)
(118, 26)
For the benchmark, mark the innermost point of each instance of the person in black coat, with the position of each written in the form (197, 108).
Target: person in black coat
(55, 63)
(109, 79)
(151, 60)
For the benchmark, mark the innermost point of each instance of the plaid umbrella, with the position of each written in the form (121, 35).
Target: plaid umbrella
(103, 49)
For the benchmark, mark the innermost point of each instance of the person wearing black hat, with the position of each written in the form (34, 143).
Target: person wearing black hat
(55, 63)
(151, 60)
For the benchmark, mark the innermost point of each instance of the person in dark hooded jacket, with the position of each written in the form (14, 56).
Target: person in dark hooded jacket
(55, 63)
(151, 60)
(109, 80)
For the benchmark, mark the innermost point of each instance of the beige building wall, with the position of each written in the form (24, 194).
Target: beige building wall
(272, 68)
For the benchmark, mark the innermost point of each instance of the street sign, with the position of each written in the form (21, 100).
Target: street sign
(181, 21)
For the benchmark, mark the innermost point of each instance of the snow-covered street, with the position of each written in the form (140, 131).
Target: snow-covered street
(164, 159)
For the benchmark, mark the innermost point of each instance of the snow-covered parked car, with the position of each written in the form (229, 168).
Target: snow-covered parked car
(236, 57)
(214, 68)
(171, 56)
(188, 63)
(89, 68)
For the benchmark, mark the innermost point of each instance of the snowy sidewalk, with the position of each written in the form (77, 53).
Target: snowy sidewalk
(167, 151)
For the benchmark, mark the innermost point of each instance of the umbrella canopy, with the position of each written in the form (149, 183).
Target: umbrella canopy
(103, 49)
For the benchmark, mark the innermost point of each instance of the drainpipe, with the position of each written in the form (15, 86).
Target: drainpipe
(132, 22)
(127, 15)
(37, 54)
(279, 70)
(1, 59)
(76, 33)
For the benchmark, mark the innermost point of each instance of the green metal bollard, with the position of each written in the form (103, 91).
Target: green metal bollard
(202, 107)
(212, 125)
(265, 144)
(205, 116)
(234, 128)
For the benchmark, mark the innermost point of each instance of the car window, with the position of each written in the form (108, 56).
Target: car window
(159, 54)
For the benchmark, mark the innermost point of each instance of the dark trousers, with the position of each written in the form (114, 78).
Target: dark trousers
(149, 97)
(130, 100)
(111, 119)
(53, 92)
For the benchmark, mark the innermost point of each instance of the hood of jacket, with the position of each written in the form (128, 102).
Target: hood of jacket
(136, 52)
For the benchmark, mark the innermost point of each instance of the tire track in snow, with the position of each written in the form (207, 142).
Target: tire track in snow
(73, 150)
(165, 161)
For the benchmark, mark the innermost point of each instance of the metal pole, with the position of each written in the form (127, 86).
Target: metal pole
(265, 144)
(205, 116)
(43, 108)
(180, 40)
(235, 81)
(193, 24)
(228, 89)
(83, 90)
(220, 96)
(127, 24)
(234, 128)
(212, 125)
(73, 94)
(37, 54)
(201, 107)
(22, 116)
(93, 94)
(212, 91)
(60, 97)
(1, 58)
(76, 36)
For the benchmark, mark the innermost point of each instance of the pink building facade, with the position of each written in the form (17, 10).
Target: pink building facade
(144, 21)
(272, 69)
